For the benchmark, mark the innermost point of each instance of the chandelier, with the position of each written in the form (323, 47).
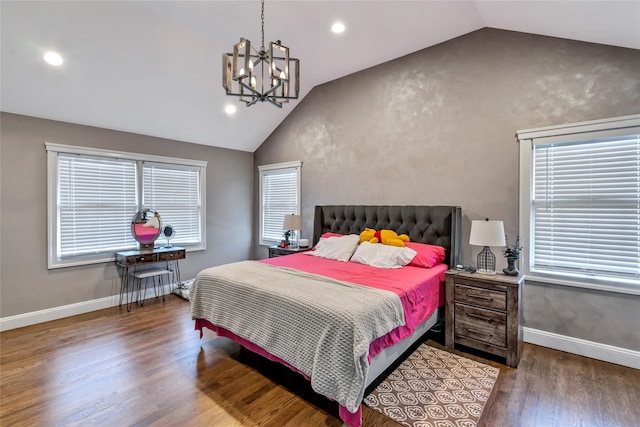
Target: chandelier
(265, 76)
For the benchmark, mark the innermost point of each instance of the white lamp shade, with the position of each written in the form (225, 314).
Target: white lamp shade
(292, 222)
(487, 233)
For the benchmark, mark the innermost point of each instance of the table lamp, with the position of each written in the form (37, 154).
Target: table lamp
(487, 233)
(292, 224)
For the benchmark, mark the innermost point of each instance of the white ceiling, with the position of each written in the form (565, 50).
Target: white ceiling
(154, 67)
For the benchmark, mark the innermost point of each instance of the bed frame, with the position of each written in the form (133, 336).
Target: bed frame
(435, 225)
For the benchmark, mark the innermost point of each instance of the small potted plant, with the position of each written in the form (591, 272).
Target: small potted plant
(512, 254)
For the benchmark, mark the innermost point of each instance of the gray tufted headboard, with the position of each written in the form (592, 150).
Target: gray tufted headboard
(435, 225)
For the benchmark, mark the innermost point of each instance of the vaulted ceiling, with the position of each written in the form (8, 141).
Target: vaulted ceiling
(154, 67)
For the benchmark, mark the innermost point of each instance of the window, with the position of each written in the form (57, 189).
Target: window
(279, 196)
(93, 195)
(580, 203)
(174, 191)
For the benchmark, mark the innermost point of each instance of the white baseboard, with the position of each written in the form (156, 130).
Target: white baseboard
(35, 317)
(594, 350)
(40, 316)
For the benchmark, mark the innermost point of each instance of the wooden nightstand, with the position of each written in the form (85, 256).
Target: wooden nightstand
(485, 312)
(276, 251)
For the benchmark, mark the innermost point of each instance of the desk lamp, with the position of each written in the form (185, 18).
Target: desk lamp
(292, 224)
(487, 233)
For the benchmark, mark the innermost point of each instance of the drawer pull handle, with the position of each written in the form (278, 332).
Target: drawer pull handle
(480, 332)
(480, 297)
(483, 318)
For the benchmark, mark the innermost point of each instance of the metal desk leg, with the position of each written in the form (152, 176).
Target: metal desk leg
(135, 284)
(174, 279)
(124, 287)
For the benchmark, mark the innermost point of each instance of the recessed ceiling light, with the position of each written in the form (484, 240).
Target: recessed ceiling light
(53, 58)
(230, 109)
(338, 27)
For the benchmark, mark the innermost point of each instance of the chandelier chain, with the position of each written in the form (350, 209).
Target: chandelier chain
(262, 20)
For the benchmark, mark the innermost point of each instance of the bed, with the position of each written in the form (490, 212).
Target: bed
(315, 316)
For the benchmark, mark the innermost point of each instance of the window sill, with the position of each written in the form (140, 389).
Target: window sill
(76, 262)
(80, 261)
(269, 242)
(629, 289)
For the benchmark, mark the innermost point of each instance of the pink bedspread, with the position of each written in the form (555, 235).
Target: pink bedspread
(421, 291)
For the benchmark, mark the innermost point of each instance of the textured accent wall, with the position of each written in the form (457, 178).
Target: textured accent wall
(25, 283)
(437, 127)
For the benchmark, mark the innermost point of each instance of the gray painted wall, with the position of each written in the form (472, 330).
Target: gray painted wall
(437, 127)
(25, 283)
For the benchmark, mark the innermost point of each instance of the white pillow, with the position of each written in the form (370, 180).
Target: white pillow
(383, 256)
(337, 248)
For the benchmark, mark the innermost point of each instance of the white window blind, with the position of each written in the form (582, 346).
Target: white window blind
(93, 194)
(587, 208)
(96, 197)
(280, 196)
(580, 204)
(174, 191)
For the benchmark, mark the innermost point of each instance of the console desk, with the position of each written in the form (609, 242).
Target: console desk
(133, 262)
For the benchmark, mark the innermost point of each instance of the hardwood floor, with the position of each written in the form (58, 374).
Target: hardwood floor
(149, 367)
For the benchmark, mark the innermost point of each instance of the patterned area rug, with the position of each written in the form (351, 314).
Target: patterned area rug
(435, 388)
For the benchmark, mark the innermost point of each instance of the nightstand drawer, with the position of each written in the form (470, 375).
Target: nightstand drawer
(481, 297)
(480, 324)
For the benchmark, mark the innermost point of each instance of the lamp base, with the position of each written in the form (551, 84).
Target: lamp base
(293, 239)
(486, 262)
